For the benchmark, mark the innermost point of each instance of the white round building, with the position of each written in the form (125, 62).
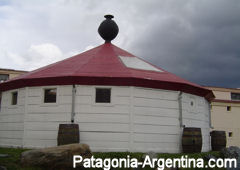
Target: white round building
(119, 101)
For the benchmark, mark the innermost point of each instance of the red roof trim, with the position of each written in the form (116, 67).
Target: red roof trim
(225, 101)
(114, 81)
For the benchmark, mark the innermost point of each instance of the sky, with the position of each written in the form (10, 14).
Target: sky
(198, 40)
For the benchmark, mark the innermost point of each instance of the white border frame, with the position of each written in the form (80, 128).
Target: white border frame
(10, 98)
(43, 88)
(112, 102)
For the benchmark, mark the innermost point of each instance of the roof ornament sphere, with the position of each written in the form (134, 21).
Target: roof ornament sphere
(108, 29)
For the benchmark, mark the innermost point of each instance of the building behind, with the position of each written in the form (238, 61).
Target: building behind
(225, 111)
(6, 74)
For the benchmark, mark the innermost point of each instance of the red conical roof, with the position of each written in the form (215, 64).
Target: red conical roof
(105, 65)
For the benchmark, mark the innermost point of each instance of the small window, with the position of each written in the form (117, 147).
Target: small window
(230, 134)
(3, 77)
(14, 98)
(235, 96)
(103, 95)
(50, 95)
(228, 108)
(191, 103)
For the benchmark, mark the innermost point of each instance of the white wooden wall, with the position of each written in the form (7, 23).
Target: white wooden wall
(155, 120)
(42, 120)
(105, 127)
(12, 119)
(197, 115)
(137, 119)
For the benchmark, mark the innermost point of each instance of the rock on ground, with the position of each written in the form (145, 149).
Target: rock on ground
(232, 152)
(3, 168)
(60, 157)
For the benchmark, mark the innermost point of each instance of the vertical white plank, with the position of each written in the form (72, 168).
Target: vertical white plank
(25, 117)
(131, 142)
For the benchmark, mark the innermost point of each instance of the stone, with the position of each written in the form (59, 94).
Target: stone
(232, 152)
(3, 168)
(60, 157)
(209, 156)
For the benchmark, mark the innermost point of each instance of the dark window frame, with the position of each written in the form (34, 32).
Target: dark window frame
(101, 98)
(235, 96)
(14, 98)
(229, 108)
(4, 79)
(52, 99)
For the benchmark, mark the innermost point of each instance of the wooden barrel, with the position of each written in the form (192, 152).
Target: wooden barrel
(67, 134)
(191, 140)
(218, 140)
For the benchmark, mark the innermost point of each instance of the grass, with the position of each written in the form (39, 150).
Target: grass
(13, 161)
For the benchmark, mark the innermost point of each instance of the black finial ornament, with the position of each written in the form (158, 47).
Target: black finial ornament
(108, 29)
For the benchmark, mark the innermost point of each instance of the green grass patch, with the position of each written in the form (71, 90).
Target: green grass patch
(13, 161)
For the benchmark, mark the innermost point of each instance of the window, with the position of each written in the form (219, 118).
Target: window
(230, 134)
(14, 98)
(3, 77)
(136, 63)
(228, 108)
(103, 95)
(235, 96)
(50, 95)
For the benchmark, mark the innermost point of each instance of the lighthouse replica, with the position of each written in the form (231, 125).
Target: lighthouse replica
(119, 102)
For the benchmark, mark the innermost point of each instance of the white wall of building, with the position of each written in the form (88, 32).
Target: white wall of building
(137, 119)
(155, 120)
(42, 120)
(197, 115)
(12, 119)
(104, 126)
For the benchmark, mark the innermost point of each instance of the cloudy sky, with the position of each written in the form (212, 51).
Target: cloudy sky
(198, 40)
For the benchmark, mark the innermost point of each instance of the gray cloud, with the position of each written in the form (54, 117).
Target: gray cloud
(197, 40)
